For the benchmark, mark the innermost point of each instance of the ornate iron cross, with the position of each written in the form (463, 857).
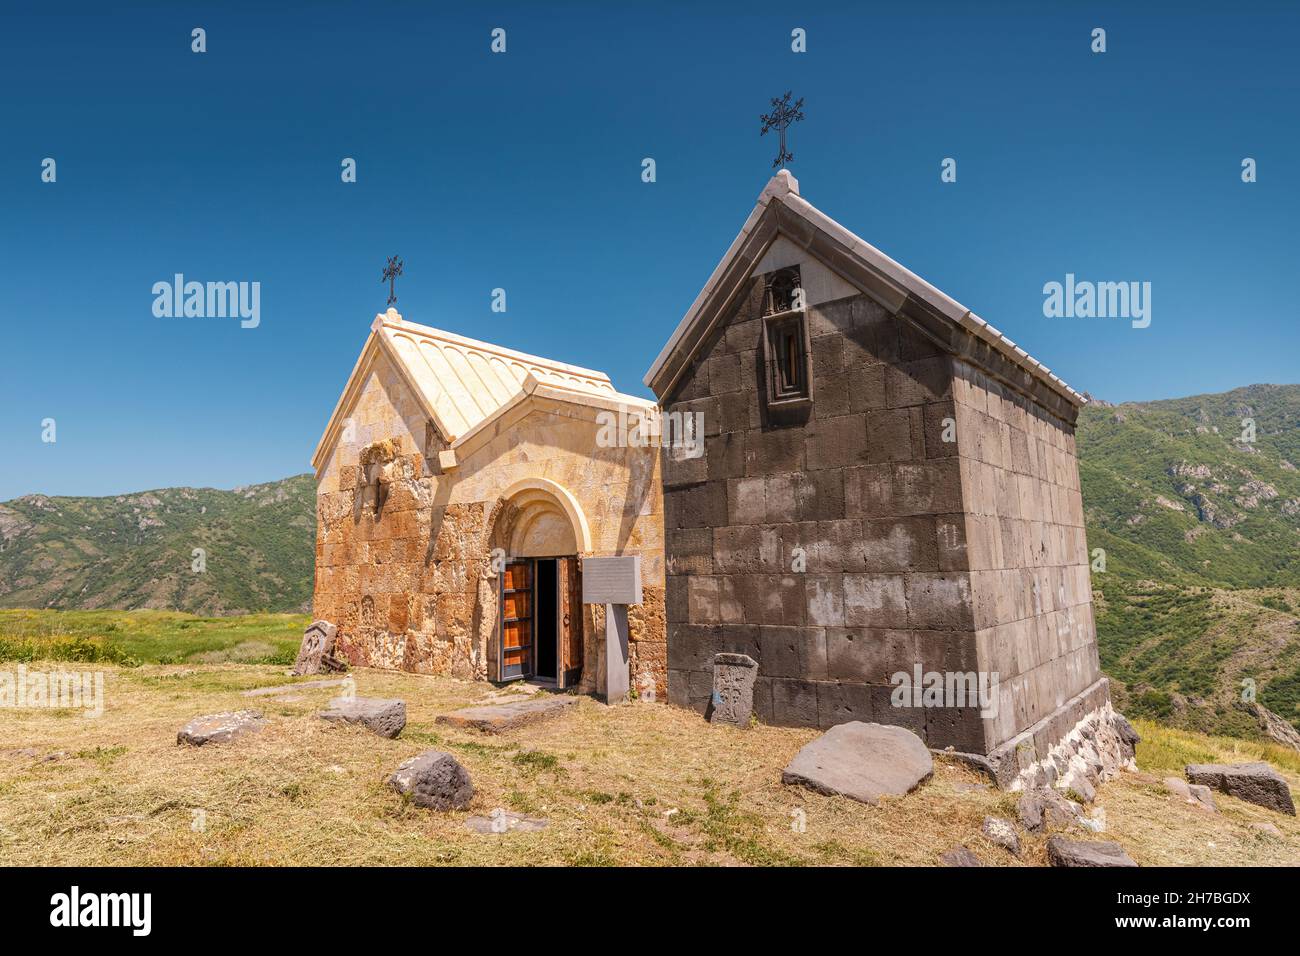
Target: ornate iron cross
(782, 115)
(391, 272)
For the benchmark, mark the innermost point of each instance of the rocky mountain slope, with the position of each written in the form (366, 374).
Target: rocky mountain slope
(1196, 504)
(1196, 491)
(137, 551)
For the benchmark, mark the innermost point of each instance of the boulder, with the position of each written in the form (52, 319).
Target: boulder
(1046, 809)
(960, 856)
(384, 717)
(435, 780)
(1253, 782)
(316, 653)
(220, 728)
(1002, 833)
(1063, 852)
(862, 761)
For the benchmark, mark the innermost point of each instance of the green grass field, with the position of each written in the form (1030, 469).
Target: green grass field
(149, 637)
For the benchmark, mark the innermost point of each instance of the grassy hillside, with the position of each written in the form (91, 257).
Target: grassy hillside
(132, 638)
(1200, 599)
(136, 551)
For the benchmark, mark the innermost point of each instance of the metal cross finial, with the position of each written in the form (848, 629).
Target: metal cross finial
(782, 115)
(391, 272)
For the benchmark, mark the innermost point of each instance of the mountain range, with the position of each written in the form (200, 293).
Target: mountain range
(1192, 508)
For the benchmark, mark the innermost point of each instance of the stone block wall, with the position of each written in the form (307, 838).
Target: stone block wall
(831, 550)
(920, 513)
(1028, 552)
(412, 588)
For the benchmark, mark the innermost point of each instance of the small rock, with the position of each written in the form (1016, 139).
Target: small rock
(435, 780)
(1268, 828)
(1256, 783)
(384, 717)
(1095, 821)
(960, 856)
(1075, 853)
(1083, 786)
(220, 728)
(503, 821)
(862, 761)
(1196, 794)
(1046, 809)
(1201, 794)
(1002, 833)
(1127, 734)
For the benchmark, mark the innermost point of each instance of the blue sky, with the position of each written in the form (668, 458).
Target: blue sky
(522, 171)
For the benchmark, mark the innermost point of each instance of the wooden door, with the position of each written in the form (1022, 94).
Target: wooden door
(568, 580)
(517, 602)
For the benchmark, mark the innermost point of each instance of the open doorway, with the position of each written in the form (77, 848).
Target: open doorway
(548, 646)
(541, 625)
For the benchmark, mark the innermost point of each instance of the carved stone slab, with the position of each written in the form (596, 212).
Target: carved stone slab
(733, 689)
(316, 655)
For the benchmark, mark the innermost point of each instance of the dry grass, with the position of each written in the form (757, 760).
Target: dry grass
(118, 790)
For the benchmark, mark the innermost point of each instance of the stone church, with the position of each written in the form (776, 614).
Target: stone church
(889, 487)
(459, 485)
(859, 480)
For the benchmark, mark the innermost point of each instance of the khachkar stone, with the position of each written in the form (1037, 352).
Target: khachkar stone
(316, 655)
(733, 689)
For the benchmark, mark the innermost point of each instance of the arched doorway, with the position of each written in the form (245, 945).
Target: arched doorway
(537, 535)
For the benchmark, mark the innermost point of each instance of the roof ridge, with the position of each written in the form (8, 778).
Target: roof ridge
(428, 331)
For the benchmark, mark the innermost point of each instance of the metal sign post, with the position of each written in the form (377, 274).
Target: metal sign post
(614, 582)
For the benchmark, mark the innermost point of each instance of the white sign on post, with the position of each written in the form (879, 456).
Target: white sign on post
(614, 582)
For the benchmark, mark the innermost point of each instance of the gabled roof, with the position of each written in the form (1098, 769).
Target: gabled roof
(463, 384)
(781, 210)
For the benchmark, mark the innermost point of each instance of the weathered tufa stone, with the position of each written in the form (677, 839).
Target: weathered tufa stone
(960, 856)
(435, 780)
(503, 821)
(498, 718)
(733, 689)
(220, 728)
(316, 654)
(384, 717)
(1253, 782)
(1002, 833)
(862, 761)
(1194, 793)
(1046, 809)
(1074, 853)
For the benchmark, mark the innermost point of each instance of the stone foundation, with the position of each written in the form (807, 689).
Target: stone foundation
(1082, 743)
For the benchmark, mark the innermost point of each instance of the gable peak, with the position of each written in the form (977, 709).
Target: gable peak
(779, 186)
